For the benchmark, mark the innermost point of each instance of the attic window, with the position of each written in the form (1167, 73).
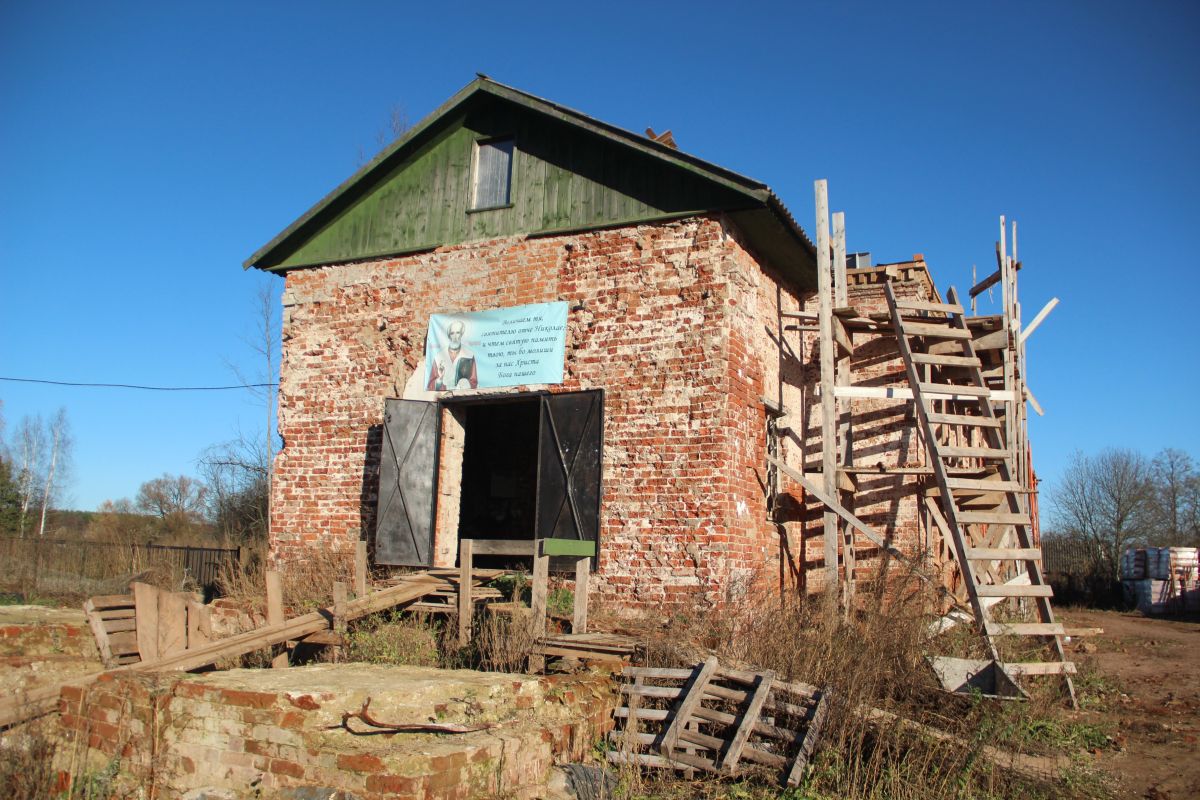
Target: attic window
(493, 174)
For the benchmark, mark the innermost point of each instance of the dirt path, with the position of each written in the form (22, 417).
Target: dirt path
(1153, 666)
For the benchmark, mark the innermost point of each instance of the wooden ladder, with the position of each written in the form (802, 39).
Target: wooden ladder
(983, 514)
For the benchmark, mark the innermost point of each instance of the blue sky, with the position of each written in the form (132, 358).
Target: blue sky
(148, 149)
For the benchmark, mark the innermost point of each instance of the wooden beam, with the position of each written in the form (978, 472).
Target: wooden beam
(360, 569)
(466, 604)
(540, 593)
(582, 571)
(145, 599)
(275, 611)
(906, 393)
(1037, 320)
(828, 399)
(839, 259)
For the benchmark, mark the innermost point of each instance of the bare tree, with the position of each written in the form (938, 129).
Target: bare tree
(238, 476)
(60, 452)
(1106, 500)
(177, 500)
(29, 455)
(1175, 480)
(396, 126)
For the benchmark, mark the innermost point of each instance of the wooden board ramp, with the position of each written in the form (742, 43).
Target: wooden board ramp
(718, 720)
(992, 546)
(409, 590)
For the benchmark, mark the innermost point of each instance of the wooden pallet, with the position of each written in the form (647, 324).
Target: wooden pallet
(719, 720)
(609, 648)
(984, 520)
(114, 624)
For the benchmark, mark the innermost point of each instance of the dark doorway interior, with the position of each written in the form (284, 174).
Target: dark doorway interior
(499, 471)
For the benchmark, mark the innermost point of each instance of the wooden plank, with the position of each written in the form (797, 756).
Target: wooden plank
(996, 340)
(973, 452)
(842, 339)
(99, 632)
(711, 715)
(811, 737)
(966, 420)
(503, 547)
(340, 600)
(926, 305)
(539, 594)
(1041, 316)
(124, 643)
(145, 598)
(939, 360)
(1010, 590)
(120, 625)
(172, 622)
(1004, 553)
(839, 259)
(360, 568)
(955, 389)
(1024, 628)
(582, 654)
(906, 393)
(939, 331)
(466, 606)
(984, 485)
(118, 613)
(745, 727)
(828, 399)
(985, 284)
(689, 702)
(579, 618)
(103, 602)
(992, 518)
(1040, 668)
(275, 616)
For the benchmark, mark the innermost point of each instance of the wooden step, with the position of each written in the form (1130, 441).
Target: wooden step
(1025, 628)
(950, 388)
(984, 485)
(1040, 668)
(972, 452)
(939, 360)
(963, 419)
(1013, 590)
(992, 518)
(925, 305)
(941, 331)
(1004, 553)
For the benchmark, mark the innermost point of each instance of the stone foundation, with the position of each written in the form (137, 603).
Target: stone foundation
(279, 733)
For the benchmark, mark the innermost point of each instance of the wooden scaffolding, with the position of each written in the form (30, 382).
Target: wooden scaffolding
(965, 377)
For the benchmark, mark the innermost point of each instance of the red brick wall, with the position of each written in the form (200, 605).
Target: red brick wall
(677, 322)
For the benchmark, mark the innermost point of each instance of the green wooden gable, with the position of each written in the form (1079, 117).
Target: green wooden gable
(569, 173)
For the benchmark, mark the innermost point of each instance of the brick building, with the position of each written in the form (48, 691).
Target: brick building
(678, 360)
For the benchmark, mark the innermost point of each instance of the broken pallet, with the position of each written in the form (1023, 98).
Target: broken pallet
(718, 720)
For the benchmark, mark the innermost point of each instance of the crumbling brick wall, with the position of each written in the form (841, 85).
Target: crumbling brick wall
(678, 322)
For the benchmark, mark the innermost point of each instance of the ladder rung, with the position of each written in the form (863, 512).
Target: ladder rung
(925, 305)
(1040, 668)
(992, 518)
(1004, 553)
(950, 388)
(971, 452)
(963, 419)
(946, 361)
(940, 331)
(1025, 629)
(1013, 590)
(983, 485)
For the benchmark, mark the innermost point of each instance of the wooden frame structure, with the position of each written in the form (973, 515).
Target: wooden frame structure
(966, 380)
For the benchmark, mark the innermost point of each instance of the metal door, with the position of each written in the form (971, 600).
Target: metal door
(568, 502)
(407, 483)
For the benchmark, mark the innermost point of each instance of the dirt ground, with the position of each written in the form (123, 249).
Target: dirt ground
(1145, 687)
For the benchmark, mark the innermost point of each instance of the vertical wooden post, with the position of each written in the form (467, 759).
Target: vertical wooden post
(275, 612)
(172, 623)
(828, 402)
(466, 605)
(842, 407)
(541, 581)
(199, 624)
(340, 596)
(145, 605)
(360, 569)
(582, 569)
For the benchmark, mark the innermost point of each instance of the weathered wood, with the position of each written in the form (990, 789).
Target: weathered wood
(1040, 668)
(839, 259)
(199, 618)
(963, 419)
(145, 598)
(1009, 590)
(939, 331)
(580, 615)
(172, 622)
(973, 452)
(360, 568)
(275, 616)
(503, 547)
(926, 305)
(906, 393)
(466, 604)
(992, 518)
(688, 704)
(1003, 553)
(1025, 629)
(828, 399)
(811, 738)
(749, 716)
(99, 632)
(340, 602)
(539, 594)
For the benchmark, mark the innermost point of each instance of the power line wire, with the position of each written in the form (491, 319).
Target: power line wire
(144, 388)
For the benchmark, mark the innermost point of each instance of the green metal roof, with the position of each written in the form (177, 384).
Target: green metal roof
(624, 178)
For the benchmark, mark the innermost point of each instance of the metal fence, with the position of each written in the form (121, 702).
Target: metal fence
(37, 565)
(1069, 556)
